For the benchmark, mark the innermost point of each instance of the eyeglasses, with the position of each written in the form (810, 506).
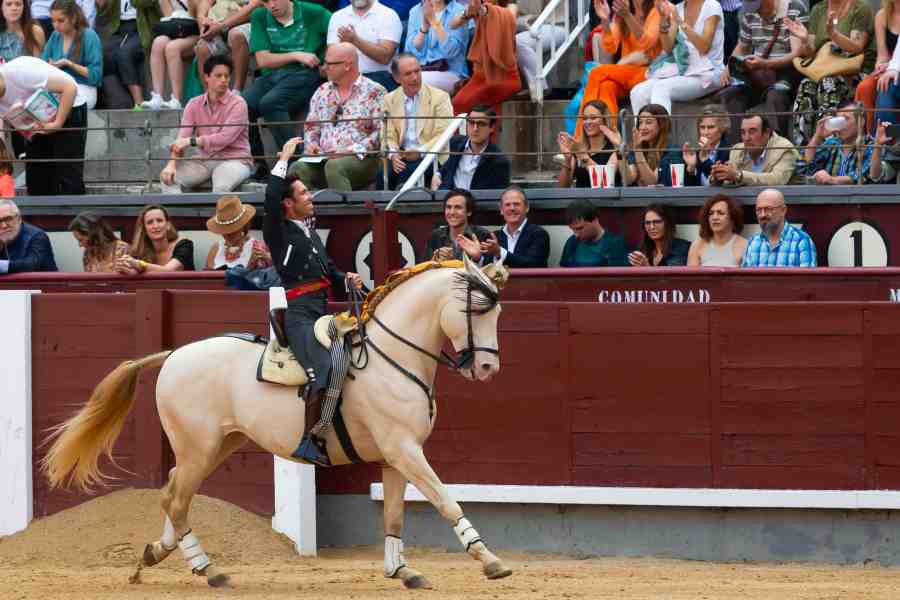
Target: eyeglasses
(768, 210)
(338, 114)
(653, 222)
(479, 123)
(7, 221)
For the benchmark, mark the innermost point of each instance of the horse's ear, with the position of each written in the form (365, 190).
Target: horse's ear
(497, 273)
(473, 271)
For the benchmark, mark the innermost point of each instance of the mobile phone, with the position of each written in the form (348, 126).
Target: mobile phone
(893, 131)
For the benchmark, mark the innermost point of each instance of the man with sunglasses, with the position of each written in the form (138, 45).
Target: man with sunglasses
(23, 248)
(475, 163)
(341, 130)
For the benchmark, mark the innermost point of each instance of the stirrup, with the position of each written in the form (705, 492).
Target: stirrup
(312, 449)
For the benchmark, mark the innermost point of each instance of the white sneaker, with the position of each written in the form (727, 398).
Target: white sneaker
(154, 103)
(172, 104)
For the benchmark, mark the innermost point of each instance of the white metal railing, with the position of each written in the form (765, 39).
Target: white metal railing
(557, 13)
(415, 180)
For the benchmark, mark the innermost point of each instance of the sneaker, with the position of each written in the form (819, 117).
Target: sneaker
(172, 103)
(154, 103)
(137, 108)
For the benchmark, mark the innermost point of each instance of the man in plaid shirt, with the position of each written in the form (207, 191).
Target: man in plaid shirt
(778, 244)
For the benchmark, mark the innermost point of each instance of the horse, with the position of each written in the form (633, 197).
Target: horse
(210, 403)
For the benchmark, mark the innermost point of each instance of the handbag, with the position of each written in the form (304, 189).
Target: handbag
(760, 79)
(440, 64)
(828, 63)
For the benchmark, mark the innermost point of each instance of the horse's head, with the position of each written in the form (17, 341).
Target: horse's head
(469, 319)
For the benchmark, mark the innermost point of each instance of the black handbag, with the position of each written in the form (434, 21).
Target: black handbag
(177, 28)
(440, 64)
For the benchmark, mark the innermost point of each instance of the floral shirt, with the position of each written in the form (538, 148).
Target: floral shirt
(363, 106)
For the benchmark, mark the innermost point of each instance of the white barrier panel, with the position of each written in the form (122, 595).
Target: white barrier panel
(295, 484)
(16, 485)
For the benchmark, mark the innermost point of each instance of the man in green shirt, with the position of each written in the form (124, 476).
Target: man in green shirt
(591, 245)
(288, 39)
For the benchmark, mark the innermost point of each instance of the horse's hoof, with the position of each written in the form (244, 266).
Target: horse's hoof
(149, 559)
(217, 581)
(497, 570)
(417, 582)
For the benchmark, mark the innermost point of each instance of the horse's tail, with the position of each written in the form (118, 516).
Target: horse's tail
(79, 441)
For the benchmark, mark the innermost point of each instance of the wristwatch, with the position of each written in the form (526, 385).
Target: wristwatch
(193, 140)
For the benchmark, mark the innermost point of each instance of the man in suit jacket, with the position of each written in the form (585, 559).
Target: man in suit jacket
(518, 243)
(474, 163)
(409, 138)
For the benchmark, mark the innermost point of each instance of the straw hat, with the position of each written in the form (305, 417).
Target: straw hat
(231, 215)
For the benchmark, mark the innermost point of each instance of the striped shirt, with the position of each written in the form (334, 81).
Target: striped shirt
(756, 31)
(830, 157)
(731, 5)
(794, 249)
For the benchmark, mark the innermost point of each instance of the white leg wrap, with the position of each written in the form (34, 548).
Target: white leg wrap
(393, 555)
(193, 553)
(466, 533)
(168, 536)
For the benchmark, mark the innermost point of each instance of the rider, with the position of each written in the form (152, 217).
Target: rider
(306, 272)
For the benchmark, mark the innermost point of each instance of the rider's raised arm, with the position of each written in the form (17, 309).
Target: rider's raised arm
(273, 223)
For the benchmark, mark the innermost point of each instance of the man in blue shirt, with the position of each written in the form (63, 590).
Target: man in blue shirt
(23, 248)
(591, 245)
(778, 244)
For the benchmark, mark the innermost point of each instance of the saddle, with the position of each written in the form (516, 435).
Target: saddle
(278, 365)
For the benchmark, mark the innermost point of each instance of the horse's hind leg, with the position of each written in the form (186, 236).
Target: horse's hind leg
(409, 459)
(394, 563)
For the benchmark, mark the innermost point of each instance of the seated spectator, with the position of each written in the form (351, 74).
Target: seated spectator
(835, 160)
(174, 38)
(7, 183)
(851, 36)
(288, 50)
(375, 31)
(458, 236)
(127, 37)
(668, 79)
(554, 35)
(474, 163)
(440, 49)
(232, 222)
(633, 34)
(19, 79)
(590, 244)
(23, 248)
(342, 126)
(888, 92)
(20, 35)
(101, 246)
(720, 243)
(84, 58)
(778, 244)
(762, 158)
(40, 11)
(156, 247)
(518, 244)
(880, 170)
(596, 146)
(659, 246)
(765, 77)
(407, 136)
(495, 70)
(886, 30)
(713, 145)
(214, 124)
(227, 28)
(649, 163)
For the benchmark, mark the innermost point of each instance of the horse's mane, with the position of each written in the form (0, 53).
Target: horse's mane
(374, 298)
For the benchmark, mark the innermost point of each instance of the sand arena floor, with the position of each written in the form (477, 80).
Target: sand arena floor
(88, 552)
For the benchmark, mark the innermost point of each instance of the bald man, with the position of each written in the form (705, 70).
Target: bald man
(342, 126)
(778, 244)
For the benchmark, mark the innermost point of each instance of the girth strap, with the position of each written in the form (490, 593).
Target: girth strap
(343, 436)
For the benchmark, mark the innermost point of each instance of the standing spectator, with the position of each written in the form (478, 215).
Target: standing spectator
(720, 243)
(847, 27)
(713, 145)
(75, 49)
(703, 42)
(649, 163)
(518, 244)
(342, 126)
(659, 246)
(835, 160)
(7, 183)
(232, 222)
(475, 163)
(420, 114)
(288, 39)
(765, 53)
(101, 246)
(174, 38)
(40, 11)
(156, 247)
(127, 37)
(439, 48)
(214, 124)
(590, 244)
(778, 244)
(21, 78)
(887, 29)
(229, 33)
(595, 147)
(375, 30)
(458, 236)
(495, 70)
(762, 158)
(23, 248)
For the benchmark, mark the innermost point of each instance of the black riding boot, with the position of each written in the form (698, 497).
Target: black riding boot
(312, 449)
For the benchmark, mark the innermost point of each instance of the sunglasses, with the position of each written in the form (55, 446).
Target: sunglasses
(338, 114)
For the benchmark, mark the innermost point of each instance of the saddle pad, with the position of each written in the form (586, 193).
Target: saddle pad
(277, 364)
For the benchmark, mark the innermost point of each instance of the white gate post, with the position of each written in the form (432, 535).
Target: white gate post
(16, 485)
(295, 484)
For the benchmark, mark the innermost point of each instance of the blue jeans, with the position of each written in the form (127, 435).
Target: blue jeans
(885, 101)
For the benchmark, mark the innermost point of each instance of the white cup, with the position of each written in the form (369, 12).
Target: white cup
(602, 176)
(676, 173)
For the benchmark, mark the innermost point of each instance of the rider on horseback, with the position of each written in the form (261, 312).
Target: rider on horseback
(306, 273)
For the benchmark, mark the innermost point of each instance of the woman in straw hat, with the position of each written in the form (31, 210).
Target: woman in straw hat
(232, 221)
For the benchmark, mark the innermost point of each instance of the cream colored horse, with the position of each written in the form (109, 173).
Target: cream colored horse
(210, 403)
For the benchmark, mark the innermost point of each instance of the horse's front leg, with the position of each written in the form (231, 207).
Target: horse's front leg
(410, 461)
(395, 566)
